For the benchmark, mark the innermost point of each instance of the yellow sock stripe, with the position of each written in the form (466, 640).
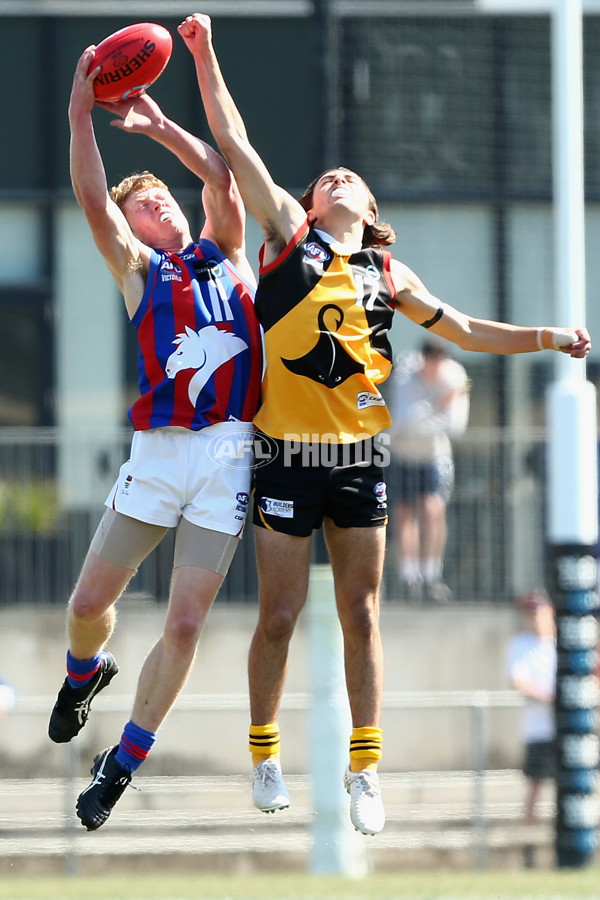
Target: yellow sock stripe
(365, 742)
(264, 740)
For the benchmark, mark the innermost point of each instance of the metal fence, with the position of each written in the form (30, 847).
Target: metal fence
(476, 813)
(52, 489)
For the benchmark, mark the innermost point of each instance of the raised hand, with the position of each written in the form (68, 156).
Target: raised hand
(82, 91)
(196, 31)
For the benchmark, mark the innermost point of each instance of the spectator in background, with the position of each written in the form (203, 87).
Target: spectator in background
(429, 404)
(532, 672)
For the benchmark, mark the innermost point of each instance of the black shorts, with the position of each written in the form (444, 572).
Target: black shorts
(540, 760)
(302, 483)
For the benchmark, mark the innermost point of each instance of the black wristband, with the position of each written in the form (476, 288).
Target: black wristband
(433, 319)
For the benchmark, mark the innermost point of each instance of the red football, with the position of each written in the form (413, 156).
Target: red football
(131, 59)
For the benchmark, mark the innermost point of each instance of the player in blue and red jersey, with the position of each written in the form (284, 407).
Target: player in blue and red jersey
(200, 364)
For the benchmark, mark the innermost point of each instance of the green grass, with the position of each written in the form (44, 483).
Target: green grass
(504, 885)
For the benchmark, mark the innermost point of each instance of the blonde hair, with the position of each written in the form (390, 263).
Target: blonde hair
(379, 234)
(137, 182)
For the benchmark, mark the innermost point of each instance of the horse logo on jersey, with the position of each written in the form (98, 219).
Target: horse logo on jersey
(204, 350)
(328, 363)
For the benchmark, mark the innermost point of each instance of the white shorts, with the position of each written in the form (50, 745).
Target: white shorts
(203, 476)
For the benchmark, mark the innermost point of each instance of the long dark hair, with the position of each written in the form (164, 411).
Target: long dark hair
(379, 234)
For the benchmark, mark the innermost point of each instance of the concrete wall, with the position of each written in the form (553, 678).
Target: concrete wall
(441, 649)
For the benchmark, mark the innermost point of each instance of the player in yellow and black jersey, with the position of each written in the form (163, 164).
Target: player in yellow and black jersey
(326, 312)
(326, 294)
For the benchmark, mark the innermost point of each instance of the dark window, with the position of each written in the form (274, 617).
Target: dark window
(25, 358)
(445, 108)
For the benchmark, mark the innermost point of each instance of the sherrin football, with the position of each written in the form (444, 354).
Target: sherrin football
(131, 59)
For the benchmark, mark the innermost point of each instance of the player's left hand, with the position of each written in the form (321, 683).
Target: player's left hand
(578, 348)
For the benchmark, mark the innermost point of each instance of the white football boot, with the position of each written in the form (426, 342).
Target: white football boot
(268, 787)
(366, 806)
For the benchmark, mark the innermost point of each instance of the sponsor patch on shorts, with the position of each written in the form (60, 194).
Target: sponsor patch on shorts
(282, 508)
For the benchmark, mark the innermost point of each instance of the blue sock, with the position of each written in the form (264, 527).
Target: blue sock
(81, 671)
(135, 746)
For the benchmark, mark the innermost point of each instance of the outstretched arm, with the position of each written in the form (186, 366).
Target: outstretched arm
(276, 211)
(480, 335)
(223, 206)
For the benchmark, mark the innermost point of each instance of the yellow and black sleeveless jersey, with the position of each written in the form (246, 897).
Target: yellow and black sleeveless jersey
(326, 318)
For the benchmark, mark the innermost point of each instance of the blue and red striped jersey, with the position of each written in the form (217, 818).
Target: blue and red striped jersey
(200, 352)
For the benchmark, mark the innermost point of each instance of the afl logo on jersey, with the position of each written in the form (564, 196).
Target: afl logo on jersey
(167, 265)
(170, 271)
(315, 253)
